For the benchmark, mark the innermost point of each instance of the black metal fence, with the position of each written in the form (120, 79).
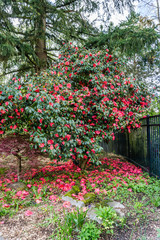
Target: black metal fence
(141, 146)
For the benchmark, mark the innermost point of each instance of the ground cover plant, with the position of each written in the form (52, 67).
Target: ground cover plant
(71, 108)
(116, 179)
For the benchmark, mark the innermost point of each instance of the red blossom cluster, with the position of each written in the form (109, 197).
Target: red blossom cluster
(69, 109)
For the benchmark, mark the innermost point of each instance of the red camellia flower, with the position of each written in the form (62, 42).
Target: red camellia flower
(56, 88)
(10, 97)
(68, 85)
(68, 137)
(41, 145)
(67, 63)
(50, 141)
(51, 104)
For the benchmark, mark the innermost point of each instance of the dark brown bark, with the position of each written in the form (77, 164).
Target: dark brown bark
(40, 45)
(83, 163)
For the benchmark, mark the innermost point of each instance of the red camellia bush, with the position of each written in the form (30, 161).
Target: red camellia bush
(69, 109)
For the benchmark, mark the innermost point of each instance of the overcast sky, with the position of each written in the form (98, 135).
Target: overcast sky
(147, 8)
(116, 18)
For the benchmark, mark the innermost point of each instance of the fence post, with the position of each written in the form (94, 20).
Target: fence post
(128, 142)
(148, 146)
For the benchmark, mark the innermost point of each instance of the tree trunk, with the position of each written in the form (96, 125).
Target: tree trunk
(40, 41)
(19, 166)
(83, 163)
(19, 169)
(158, 11)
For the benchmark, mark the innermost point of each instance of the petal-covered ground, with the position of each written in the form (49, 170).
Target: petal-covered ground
(56, 178)
(43, 188)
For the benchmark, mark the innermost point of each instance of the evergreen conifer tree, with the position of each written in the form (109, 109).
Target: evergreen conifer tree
(32, 30)
(136, 39)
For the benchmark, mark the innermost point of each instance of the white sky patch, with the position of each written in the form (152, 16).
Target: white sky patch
(115, 18)
(148, 8)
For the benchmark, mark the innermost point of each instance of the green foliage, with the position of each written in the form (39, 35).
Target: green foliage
(108, 217)
(67, 227)
(75, 219)
(2, 171)
(137, 41)
(133, 36)
(155, 200)
(7, 211)
(139, 209)
(89, 231)
(154, 108)
(89, 198)
(69, 109)
(158, 230)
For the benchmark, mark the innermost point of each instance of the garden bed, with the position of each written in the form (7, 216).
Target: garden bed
(29, 214)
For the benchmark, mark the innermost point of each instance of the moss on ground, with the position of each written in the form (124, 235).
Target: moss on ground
(103, 203)
(75, 190)
(3, 170)
(89, 198)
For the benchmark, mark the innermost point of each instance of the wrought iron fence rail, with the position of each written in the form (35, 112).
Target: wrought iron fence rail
(141, 146)
(145, 125)
(149, 117)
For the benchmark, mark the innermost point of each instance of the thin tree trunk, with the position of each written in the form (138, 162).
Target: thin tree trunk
(19, 169)
(19, 166)
(158, 11)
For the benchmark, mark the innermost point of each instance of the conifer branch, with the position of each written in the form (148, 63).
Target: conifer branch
(15, 71)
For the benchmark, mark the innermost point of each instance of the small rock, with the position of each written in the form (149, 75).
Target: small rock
(115, 204)
(117, 207)
(73, 202)
(18, 186)
(120, 213)
(93, 216)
